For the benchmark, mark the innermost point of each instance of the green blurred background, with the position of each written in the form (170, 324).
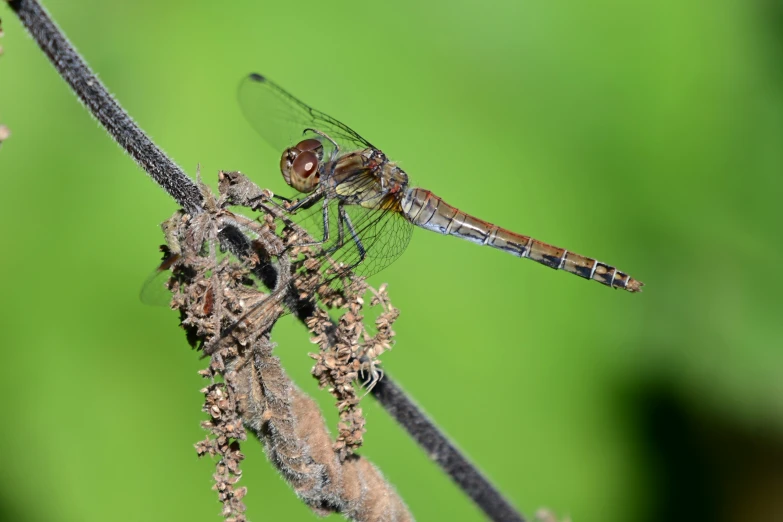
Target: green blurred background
(647, 135)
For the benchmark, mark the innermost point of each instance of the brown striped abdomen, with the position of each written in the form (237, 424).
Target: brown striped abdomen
(425, 209)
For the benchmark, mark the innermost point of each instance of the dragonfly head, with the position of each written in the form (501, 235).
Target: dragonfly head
(300, 165)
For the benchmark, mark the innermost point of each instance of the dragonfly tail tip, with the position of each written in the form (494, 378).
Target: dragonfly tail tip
(634, 286)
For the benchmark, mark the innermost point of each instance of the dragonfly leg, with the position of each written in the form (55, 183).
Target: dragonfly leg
(271, 199)
(281, 198)
(324, 135)
(326, 227)
(278, 196)
(340, 234)
(340, 230)
(343, 220)
(307, 202)
(359, 246)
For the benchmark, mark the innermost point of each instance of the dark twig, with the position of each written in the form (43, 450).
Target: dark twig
(104, 108)
(177, 184)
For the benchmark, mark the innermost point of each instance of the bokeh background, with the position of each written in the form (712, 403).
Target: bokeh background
(645, 134)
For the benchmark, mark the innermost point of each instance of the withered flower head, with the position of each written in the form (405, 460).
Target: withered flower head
(232, 278)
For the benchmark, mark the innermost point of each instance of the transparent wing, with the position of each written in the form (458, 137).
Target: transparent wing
(376, 227)
(281, 119)
(384, 235)
(155, 291)
(381, 231)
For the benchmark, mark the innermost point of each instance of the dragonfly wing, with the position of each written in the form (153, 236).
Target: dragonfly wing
(281, 119)
(383, 234)
(367, 234)
(155, 290)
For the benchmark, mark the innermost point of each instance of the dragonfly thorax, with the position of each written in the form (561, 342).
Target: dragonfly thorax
(300, 165)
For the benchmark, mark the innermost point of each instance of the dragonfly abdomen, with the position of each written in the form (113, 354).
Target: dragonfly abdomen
(424, 209)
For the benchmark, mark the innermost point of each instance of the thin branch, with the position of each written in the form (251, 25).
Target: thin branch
(104, 107)
(176, 183)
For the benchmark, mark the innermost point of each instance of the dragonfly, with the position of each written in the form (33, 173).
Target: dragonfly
(363, 204)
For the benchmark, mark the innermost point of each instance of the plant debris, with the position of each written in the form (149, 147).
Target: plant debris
(231, 279)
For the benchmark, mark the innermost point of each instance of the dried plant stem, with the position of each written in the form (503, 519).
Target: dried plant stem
(176, 183)
(296, 440)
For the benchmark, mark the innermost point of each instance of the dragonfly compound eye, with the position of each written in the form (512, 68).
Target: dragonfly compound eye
(313, 145)
(306, 164)
(287, 162)
(304, 171)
